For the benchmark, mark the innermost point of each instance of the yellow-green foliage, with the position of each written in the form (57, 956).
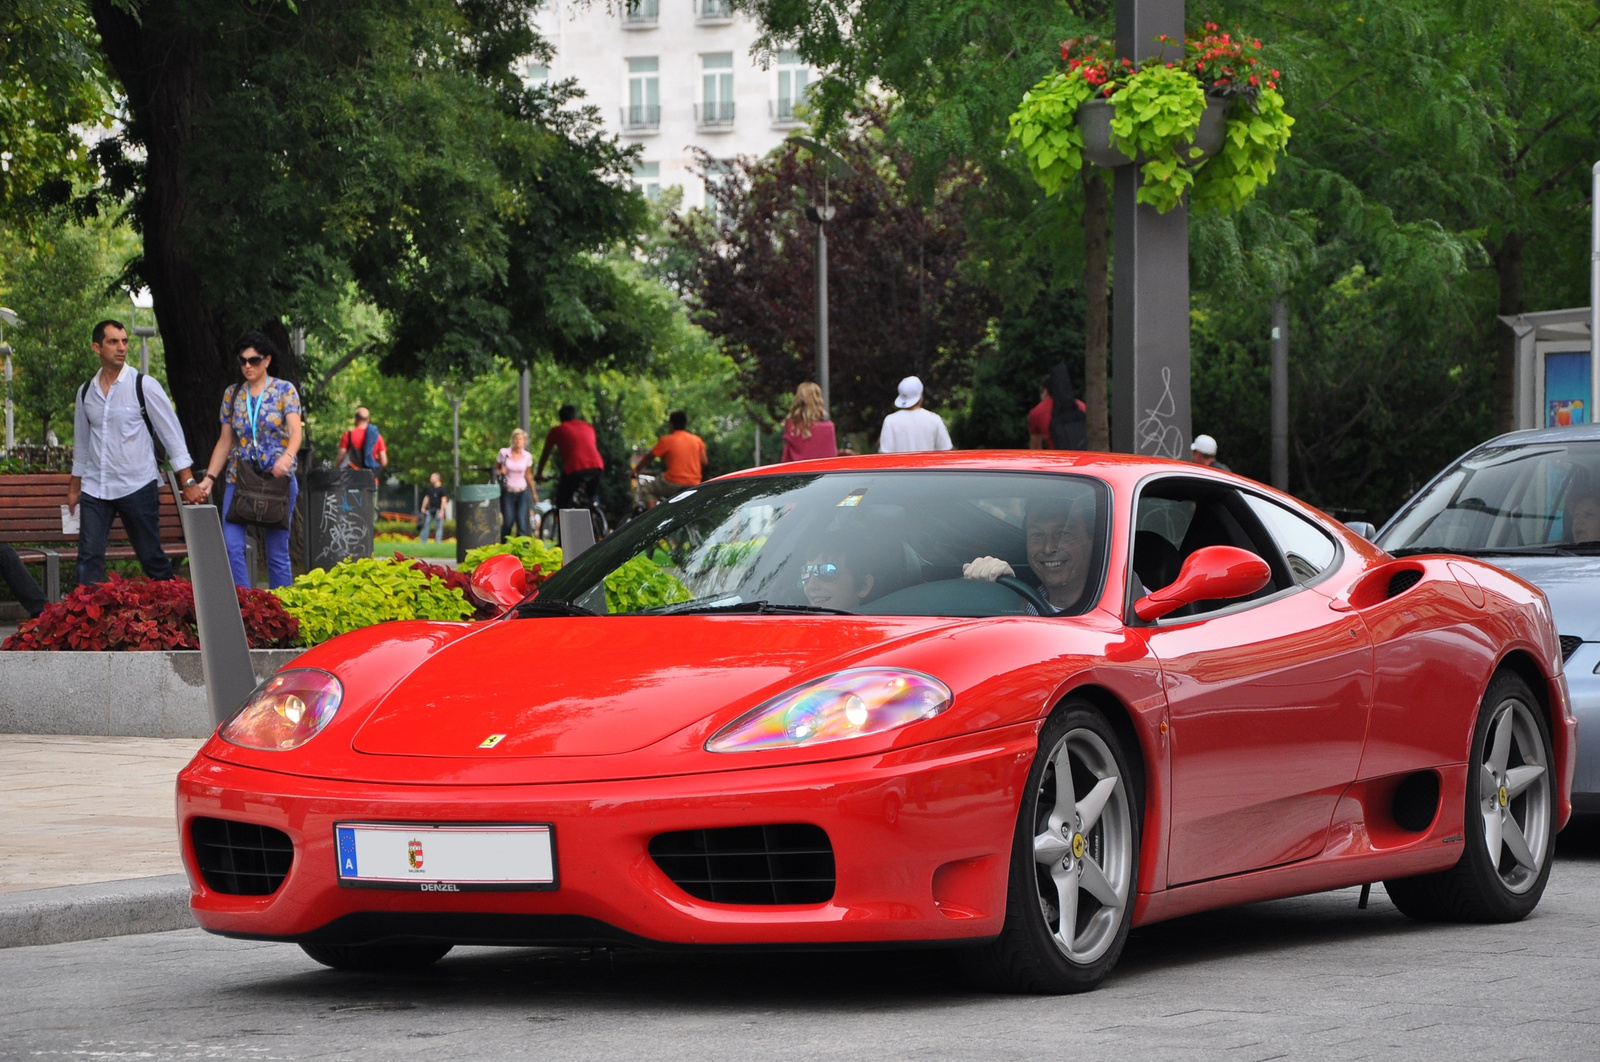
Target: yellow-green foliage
(1249, 155)
(1045, 126)
(1157, 110)
(358, 593)
(640, 583)
(533, 552)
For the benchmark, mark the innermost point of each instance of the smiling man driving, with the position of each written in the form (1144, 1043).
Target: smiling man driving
(1060, 543)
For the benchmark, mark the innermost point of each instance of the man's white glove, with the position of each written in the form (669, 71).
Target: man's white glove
(986, 568)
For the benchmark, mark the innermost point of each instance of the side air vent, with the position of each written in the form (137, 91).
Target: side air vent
(758, 865)
(241, 858)
(1403, 580)
(1569, 645)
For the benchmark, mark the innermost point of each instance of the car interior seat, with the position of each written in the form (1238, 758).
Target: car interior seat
(1155, 560)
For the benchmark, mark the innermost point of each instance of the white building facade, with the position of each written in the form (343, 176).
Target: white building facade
(672, 75)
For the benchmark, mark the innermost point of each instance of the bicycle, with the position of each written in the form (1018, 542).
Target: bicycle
(549, 527)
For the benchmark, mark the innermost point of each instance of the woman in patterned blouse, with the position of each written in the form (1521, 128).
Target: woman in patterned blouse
(260, 423)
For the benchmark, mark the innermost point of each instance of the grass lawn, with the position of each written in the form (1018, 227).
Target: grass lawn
(447, 548)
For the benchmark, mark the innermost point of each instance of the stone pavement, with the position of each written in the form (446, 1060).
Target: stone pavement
(80, 810)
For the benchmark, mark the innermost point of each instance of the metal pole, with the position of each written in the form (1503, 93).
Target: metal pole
(822, 304)
(144, 332)
(11, 439)
(1594, 298)
(455, 446)
(1150, 283)
(523, 403)
(1280, 393)
(757, 424)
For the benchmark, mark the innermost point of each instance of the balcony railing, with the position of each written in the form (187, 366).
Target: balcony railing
(714, 11)
(641, 118)
(782, 111)
(641, 14)
(718, 115)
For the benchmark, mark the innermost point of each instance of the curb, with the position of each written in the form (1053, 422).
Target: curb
(104, 909)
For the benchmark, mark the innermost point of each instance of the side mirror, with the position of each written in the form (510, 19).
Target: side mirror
(1363, 528)
(1213, 573)
(500, 580)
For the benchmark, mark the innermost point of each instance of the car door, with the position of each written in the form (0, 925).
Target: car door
(1267, 697)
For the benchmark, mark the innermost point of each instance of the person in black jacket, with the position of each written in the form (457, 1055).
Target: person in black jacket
(1069, 427)
(22, 585)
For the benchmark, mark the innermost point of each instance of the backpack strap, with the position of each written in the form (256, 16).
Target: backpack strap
(155, 440)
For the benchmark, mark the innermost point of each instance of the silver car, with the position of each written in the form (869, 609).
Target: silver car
(1529, 502)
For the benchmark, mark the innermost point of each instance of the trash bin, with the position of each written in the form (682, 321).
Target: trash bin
(477, 517)
(340, 506)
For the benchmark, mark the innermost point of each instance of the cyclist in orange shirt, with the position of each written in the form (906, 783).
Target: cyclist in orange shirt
(684, 455)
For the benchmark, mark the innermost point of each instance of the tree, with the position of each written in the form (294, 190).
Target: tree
(278, 154)
(57, 279)
(899, 301)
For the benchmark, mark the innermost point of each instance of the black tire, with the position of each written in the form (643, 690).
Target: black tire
(1487, 886)
(377, 958)
(1028, 956)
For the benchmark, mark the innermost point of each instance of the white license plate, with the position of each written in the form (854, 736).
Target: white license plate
(445, 858)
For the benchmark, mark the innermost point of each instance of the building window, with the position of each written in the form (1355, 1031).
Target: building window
(714, 10)
(794, 78)
(641, 14)
(534, 72)
(644, 94)
(716, 78)
(717, 174)
(647, 179)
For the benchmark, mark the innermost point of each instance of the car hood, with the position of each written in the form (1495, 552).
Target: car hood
(609, 685)
(1571, 583)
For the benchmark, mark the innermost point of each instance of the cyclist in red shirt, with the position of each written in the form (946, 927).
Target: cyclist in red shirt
(581, 463)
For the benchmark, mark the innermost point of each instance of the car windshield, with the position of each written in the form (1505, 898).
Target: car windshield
(876, 543)
(1527, 498)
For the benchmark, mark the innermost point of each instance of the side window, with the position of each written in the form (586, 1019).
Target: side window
(1306, 547)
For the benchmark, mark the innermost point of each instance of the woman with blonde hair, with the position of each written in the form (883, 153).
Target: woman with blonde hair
(807, 432)
(516, 486)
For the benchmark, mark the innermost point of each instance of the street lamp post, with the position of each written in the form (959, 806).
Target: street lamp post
(833, 166)
(142, 300)
(8, 318)
(455, 445)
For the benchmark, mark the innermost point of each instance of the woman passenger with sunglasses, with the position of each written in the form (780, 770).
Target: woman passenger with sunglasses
(260, 423)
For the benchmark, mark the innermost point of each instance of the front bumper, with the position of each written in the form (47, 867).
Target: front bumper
(1583, 688)
(921, 841)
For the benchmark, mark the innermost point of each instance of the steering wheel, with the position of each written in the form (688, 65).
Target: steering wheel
(1027, 593)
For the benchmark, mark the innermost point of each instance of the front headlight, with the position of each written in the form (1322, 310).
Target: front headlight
(286, 711)
(844, 705)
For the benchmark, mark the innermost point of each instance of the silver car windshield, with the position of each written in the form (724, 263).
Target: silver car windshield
(874, 543)
(1511, 499)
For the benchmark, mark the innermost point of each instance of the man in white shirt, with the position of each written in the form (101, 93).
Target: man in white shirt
(912, 428)
(114, 472)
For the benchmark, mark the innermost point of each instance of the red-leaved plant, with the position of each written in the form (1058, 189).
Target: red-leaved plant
(144, 614)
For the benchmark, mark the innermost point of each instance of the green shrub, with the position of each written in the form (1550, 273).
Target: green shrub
(358, 593)
(532, 552)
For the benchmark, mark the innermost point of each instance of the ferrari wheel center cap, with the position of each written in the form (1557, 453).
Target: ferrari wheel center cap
(1504, 796)
(1079, 846)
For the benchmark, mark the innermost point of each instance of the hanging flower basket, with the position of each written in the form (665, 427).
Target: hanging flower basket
(1210, 126)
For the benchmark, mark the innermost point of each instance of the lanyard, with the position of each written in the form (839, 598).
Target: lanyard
(252, 407)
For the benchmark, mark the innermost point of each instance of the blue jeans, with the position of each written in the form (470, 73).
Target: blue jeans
(514, 517)
(435, 521)
(140, 513)
(277, 544)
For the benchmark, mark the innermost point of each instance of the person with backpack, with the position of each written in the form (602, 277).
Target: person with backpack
(123, 426)
(363, 445)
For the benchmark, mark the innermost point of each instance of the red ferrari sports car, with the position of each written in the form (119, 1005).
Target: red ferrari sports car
(1020, 702)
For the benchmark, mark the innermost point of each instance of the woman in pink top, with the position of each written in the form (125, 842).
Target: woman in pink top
(808, 433)
(516, 486)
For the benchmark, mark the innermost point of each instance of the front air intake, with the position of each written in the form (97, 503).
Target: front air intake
(1569, 645)
(241, 858)
(757, 865)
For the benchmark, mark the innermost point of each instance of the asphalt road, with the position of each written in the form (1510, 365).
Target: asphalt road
(1305, 978)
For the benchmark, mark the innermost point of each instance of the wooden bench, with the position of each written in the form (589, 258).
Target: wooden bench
(30, 520)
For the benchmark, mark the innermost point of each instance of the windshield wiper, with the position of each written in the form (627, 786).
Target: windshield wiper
(551, 608)
(1488, 551)
(758, 608)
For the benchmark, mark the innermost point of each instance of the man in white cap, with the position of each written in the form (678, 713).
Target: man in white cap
(911, 427)
(1204, 451)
